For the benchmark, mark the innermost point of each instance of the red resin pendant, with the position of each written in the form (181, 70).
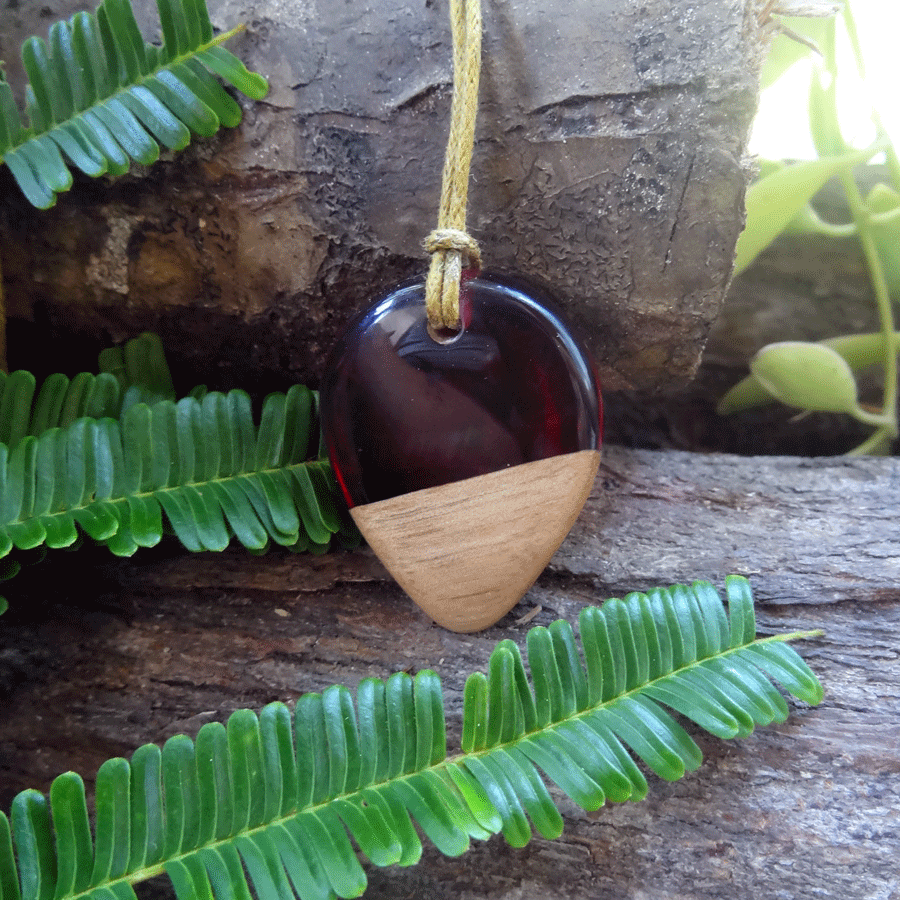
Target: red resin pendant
(464, 461)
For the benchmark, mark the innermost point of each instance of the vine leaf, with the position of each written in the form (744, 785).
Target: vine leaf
(776, 199)
(857, 350)
(274, 803)
(806, 376)
(100, 96)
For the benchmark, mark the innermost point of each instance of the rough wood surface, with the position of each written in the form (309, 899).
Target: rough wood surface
(608, 161)
(95, 661)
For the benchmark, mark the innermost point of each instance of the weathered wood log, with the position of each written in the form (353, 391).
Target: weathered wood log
(808, 809)
(609, 162)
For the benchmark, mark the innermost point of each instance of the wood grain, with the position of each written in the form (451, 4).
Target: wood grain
(466, 552)
(98, 656)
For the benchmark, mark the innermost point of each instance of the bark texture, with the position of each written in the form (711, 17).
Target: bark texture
(608, 162)
(804, 810)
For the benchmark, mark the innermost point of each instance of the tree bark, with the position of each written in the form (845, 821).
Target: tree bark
(803, 810)
(608, 162)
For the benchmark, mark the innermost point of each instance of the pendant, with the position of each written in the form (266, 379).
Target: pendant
(464, 458)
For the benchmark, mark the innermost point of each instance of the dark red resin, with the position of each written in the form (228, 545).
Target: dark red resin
(402, 411)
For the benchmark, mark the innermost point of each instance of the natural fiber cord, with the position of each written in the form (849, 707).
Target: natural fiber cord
(449, 243)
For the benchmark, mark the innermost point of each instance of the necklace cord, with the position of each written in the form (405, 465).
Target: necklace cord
(452, 249)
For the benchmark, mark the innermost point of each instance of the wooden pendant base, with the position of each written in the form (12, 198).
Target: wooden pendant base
(466, 552)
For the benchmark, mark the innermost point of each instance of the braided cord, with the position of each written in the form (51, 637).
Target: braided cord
(449, 244)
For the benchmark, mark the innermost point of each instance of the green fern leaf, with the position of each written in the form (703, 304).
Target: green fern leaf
(271, 805)
(203, 463)
(12, 131)
(64, 469)
(99, 96)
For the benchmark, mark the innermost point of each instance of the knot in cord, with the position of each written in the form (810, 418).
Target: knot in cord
(448, 247)
(443, 239)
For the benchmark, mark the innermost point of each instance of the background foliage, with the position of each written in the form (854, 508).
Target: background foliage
(821, 377)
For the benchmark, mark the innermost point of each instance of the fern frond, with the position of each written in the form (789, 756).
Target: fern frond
(202, 462)
(274, 803)
(134, 373)
(94, 455)
(99, 96)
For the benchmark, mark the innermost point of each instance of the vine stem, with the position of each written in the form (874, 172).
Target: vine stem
(875, 444)
(4, 367)
(862, 219)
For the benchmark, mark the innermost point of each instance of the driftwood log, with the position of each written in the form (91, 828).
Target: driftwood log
(609, 161)
(95, 661)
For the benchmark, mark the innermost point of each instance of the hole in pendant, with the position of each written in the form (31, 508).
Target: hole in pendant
(443, 335)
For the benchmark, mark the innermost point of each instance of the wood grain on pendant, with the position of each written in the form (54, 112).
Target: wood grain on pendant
(467, 551)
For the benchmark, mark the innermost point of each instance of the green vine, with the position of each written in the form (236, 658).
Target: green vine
(274, 803)
(821, 376)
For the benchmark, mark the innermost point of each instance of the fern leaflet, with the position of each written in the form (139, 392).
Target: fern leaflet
(135, 373)
(274, 803)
